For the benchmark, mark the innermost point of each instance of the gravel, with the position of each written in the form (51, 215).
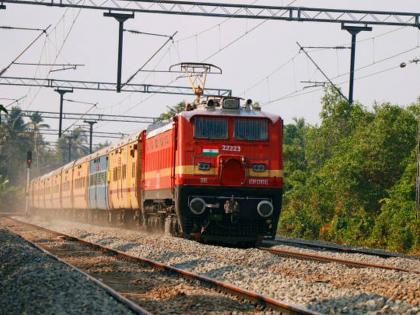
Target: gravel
(324, 287)
(158, 291)
(32, 282)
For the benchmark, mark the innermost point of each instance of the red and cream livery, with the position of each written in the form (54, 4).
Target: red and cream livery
(213, 173)
(217, 170)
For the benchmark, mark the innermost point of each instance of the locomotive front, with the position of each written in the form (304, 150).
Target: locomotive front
(228, 172)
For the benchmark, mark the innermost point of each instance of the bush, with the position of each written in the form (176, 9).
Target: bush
(11, 198)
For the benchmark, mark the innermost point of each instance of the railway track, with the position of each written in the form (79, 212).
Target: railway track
(157, 287)
(329, 259)
(336, 248)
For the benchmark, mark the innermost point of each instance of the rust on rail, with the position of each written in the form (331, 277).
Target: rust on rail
(353, 263)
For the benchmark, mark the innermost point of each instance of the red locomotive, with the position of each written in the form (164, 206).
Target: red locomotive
(218, 169)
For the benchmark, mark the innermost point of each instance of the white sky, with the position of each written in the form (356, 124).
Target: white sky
(93, 42)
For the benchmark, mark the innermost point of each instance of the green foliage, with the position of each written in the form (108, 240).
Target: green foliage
(352, 178)
(172, 111)
(3, 109)
(11, 197)
(397, 226)
(19, 135)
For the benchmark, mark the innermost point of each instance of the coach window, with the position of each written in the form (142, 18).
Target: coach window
(210, 128)
(251, 129)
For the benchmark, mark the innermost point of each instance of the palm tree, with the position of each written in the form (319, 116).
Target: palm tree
(36, 124)
(4, 110)
(72, 145)
(80, 143)
(14, 142)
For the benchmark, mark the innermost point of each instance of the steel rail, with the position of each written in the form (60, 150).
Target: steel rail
(352, 263)
(120, 298)
(285, 308)
(239, 10)
(338, 248)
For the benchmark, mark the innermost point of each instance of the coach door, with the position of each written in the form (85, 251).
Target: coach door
(102, 183)
(92, 184)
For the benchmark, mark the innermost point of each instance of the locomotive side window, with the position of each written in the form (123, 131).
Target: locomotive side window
(211, 128)
(251, 129)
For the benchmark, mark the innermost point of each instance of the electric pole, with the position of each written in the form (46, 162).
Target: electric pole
(69, 138)
(353, 30)
(28, 178)
(61, 92)
(91, 123)
(121, 18)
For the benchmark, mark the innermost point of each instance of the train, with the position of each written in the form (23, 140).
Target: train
(212, 173)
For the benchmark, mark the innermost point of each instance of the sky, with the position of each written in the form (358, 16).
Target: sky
(260, 60)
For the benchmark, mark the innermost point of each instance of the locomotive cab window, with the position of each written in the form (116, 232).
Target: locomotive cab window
(251, 129)
(210, 128)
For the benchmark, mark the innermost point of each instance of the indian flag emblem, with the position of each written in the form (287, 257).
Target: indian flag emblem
(211, 152)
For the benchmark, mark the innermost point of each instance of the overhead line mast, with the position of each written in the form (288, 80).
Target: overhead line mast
(108, 86)
(244, 11)
(96, 117)
(353, 21)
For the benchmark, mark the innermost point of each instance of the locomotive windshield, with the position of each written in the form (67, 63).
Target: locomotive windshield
(251, 129)
(211, 128)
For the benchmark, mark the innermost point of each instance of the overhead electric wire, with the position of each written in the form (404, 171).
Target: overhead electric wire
(121, 134)
(212, 55)
(215, 53)
(44, 31)
(322, 72)
(14, 100)
(346, 73)
(235, 40)
(178, 41)
(61, 47)
(240, 37)
(44, 49)
(297, 94)
(270, 74)
(326, 47)
(48, 64)
(147, 33)
(6, 27)
(81, 117)
(151, 57)
(380, 60)
(214, 26)
(79, 102)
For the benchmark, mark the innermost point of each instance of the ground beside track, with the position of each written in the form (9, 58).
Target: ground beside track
(32, 282)
(327, 288)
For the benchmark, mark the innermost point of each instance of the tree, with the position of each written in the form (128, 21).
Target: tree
(344, 177)
(14, 143)
(3, 110)
(73, 145)
(172, 111)
(36, 125)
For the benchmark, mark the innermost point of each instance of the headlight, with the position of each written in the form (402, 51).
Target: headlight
(259, 167)
(203, 166)
(197, 206)
(265, 208)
